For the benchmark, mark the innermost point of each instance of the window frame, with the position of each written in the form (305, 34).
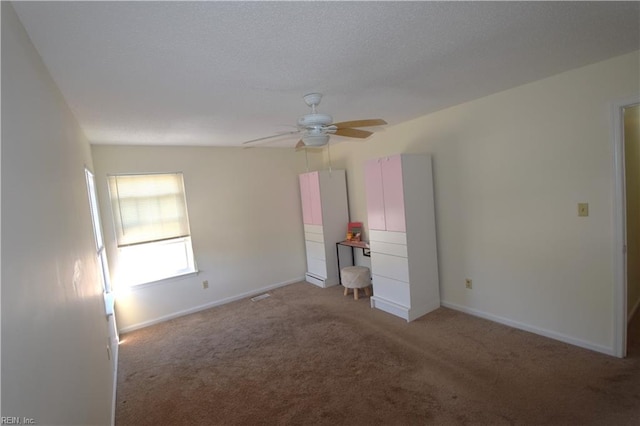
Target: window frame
(124, 251)
(150, 278)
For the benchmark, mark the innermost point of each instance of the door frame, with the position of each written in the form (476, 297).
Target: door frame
(620, 226)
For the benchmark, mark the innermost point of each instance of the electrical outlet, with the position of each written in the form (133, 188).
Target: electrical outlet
(205, 284)
(468, 283)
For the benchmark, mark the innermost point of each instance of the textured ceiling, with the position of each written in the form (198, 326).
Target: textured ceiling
(219, 73)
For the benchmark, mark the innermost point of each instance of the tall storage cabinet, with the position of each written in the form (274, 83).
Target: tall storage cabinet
(325, 214)
(402, 234)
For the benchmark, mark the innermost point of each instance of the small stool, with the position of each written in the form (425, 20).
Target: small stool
(356, 277)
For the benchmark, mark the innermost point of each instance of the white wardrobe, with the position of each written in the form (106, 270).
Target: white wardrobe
(325, 214)
(402, 234)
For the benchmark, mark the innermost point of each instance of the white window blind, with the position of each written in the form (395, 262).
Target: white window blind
(148, 208)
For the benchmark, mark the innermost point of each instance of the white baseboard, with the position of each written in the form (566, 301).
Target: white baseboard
(633, 311)
(390, 307)
(312, 279)
(532, 329)
(206, 306)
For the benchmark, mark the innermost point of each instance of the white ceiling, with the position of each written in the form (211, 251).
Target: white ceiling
(220, 73)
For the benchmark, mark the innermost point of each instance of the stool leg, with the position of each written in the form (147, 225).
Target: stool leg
(346, 291)
(367, 291)
(355, 293)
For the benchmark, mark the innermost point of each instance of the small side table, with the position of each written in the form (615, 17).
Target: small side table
(364, 245)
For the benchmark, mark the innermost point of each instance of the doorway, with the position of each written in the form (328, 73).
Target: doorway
(631, 126)
(626, 138)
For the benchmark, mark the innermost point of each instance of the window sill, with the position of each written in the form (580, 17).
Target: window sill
(163, 280)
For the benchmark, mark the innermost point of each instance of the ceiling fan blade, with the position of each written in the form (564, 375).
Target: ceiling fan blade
(272, 136)
(353, 133)
(361, 123)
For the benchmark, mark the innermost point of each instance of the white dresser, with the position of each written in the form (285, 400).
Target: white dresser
(325, 214)
(402, 234)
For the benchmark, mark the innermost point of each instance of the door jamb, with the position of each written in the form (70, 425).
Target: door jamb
(619, 222)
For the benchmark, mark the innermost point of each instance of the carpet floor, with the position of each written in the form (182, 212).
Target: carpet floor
(307, 355)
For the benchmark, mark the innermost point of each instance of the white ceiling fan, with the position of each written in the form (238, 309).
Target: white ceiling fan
(315, 128)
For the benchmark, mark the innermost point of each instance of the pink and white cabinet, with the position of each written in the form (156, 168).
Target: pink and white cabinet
(402, 234)
(325, 214)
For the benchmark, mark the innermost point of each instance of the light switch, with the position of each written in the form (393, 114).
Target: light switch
(583, 209)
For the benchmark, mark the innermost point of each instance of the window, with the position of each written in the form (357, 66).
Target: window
(152, 226)
(103, 267)
(97, 233)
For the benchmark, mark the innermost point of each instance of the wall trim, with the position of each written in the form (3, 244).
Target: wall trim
(207, 306)
(532, 329)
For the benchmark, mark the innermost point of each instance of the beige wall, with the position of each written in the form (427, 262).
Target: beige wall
(632, 171)
(54, 334)
(509, 171)
(245, 219)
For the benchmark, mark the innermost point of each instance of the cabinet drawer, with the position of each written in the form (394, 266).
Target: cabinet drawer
(387, 236)
(389, 248)
(393, 267)
(315, 250)
(391, 290)
(319, 238)
(317, 267)
(313, 229)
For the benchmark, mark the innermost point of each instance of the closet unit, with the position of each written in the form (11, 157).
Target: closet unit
(325, 215)
(402, 235)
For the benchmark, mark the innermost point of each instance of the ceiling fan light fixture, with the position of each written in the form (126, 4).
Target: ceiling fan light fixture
(315, 140)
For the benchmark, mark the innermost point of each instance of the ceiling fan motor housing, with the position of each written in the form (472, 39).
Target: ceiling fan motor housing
(314, 119)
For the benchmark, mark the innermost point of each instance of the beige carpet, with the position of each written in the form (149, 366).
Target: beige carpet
(311, 356)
